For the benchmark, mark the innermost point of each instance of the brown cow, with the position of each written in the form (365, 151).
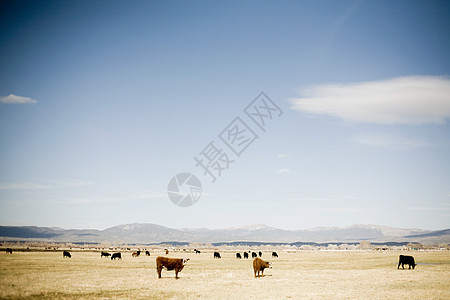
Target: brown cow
(170, 264)
(260, 265)
(134, 254)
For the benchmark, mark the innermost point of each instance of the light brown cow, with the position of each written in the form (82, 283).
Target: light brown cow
(170, 264)
(134, 254)
(260, 265)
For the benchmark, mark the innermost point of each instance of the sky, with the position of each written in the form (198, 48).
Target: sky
(102, 103)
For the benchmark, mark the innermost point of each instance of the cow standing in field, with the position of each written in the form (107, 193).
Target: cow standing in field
(9, 250)
(167, 251)
(147, 253)
(217, 255)
(197, 251)
(116, 255)
(406, 260)
(105, 254)
(134, 254)
(245, 255)
(260, 253)
(170, 264)
(66, 254)
(238, 255)
(254, 255)
(260, 265)
(274, 254)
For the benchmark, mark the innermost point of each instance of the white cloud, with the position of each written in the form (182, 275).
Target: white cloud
(425, 208)
(283, 155)
(14, 99)
(403, 100)
(283, 171)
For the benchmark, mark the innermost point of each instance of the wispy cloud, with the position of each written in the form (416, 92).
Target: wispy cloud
(283, 155)
(124, 197)
(39, 186)
(427, 208)
(326, 199)
(283, 171)
(14, 99)
(390, 141)
(24, 186)
(403, 100)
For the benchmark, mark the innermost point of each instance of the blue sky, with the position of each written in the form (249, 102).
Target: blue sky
(103, 102)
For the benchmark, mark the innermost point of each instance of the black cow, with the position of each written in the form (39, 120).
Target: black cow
(197, 251)
(260, 253)
(254, 255)
(406, 260)
(238, 255)
(66, 254)
(217, 255)
(9, 250)
(105, 254)
(116, 255)
(147, 253)
(245, 255)
(274, 254)
(138, 252)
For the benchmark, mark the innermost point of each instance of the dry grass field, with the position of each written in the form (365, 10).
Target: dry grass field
(300, 275)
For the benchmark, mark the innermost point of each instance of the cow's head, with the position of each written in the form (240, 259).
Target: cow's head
(185, 261)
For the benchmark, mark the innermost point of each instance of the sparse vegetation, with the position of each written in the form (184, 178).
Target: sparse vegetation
(296, 274)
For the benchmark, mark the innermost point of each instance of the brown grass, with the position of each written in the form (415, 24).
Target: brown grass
(301, 275)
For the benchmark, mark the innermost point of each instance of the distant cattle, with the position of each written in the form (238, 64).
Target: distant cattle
(66, 254)
(197, 251)
(274, 254)
(260, 265)
(134, 254)
(238, 255)
(260, 253)
(167, 251)
(116, 255)
(254, 255)
(147, 253)
(217, 255)
(9, 250)
(245, 255)
(170, 264)
(105, 254)
(406, 260)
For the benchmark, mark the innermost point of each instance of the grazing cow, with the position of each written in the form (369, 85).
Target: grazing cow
(147, 253)
(170, 264)
(245, 255)
(9, 250)
(217, 255)
(406, 260)
(274, 254)
(254, 255)
(197, 251)
(238, 255)
(138, 252)
(260, 265)
(116, 255)
(260, 253)
(167, 251)
(105, 254)
(66, 254)
(134, 254)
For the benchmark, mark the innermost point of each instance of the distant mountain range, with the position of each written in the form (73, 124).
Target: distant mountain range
(151, 233)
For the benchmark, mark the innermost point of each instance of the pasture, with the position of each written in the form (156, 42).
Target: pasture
(299, 275)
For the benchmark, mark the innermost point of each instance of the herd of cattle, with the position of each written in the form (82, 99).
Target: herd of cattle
(177, 264)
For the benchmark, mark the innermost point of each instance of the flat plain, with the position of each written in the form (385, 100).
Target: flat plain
(295, 275)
